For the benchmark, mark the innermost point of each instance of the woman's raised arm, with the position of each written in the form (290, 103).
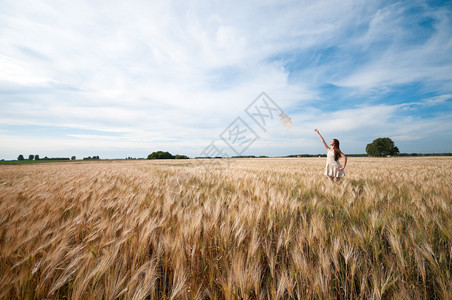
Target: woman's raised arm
(321, 137)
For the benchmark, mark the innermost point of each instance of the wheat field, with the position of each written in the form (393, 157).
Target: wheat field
(253, 229)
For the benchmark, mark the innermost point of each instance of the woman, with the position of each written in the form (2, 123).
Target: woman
(333, 168)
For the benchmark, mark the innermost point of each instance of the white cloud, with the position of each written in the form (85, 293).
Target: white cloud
(400, 61)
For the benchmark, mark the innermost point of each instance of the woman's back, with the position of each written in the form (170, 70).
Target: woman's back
(330, 157)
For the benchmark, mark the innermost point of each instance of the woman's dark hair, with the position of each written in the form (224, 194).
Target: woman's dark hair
(337, 151)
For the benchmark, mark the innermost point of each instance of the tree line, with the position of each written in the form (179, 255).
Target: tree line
(36, 157)
(165, 155)
(380, 147)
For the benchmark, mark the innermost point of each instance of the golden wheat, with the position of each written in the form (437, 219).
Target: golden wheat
(258, 229)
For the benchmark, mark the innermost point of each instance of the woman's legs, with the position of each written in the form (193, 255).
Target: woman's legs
(332, 179)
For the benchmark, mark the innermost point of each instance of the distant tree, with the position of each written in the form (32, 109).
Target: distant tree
(160, 155)
(31, 157)
(73, 158)
(382, 147)
(90, 158)
(177, 156)
(20, 157)
(37, 157)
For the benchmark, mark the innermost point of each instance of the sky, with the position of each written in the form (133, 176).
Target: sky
(127, 78)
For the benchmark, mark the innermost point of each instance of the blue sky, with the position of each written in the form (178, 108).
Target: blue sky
(119, 79)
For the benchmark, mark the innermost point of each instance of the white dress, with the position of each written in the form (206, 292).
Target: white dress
(331, 168)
